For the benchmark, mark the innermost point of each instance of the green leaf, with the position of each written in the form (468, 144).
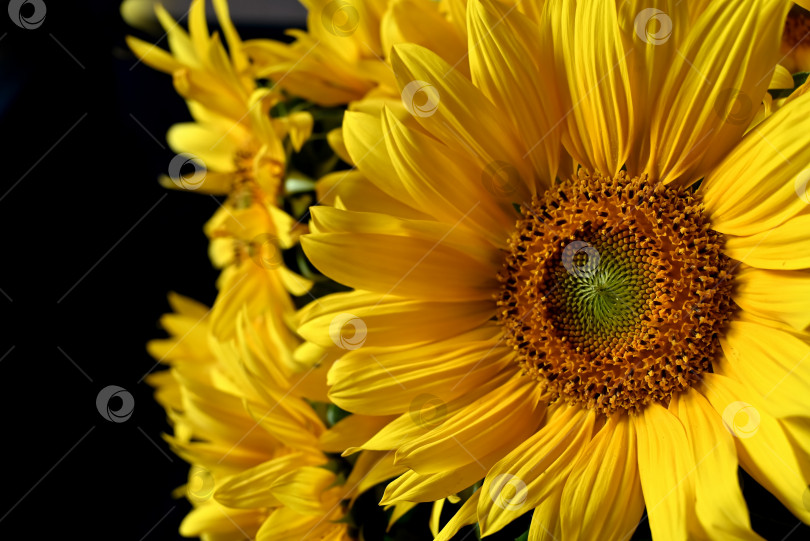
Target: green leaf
(334, 414)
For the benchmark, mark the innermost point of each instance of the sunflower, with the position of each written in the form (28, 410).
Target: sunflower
(258, 450)
(343, 56)
(635, 331)
(238, 150)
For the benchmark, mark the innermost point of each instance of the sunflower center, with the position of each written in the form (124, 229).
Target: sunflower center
(797, 25)
(614, 291)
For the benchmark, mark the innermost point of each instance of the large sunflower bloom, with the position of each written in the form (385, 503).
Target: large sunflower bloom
(631, 335)
(257, 449)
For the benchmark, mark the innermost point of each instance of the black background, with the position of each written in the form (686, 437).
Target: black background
(82, 145)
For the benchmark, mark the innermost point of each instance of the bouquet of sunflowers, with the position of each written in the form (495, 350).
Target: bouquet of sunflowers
(523, 269)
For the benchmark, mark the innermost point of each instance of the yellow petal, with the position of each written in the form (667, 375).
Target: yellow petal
(302, 489)
(546, 524)
(719, 502)
(371, 469)
(475, 199)
(331, 220)
(456, 112)
(717, 80)
(781, 78)
(352, 431)
(780, 295)
(764, 449)
(602, 496)
(425, 415)
(365, 141)
(535, 469)
(770, 361)
(213, 519)
(381, 319)
(666, 469)
(406, 266)
(380, 382)
(508, 414)
(249, 489)
(512, 63)
(463, 517)
(435, 516)
(600, 122)
(407, 22)
(412, 486)
(763, 182)
(285, 524)
(153, 56)
(785, 247)
(217, 153)
(351, 190)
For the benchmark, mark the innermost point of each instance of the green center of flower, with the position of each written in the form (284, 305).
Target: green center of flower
(614, 292)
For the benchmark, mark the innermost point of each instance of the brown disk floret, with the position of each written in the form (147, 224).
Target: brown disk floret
(614, 291)
(797, 26)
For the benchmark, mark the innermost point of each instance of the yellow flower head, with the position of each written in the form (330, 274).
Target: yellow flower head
(630, 335)
(256, 446)
(237, 149)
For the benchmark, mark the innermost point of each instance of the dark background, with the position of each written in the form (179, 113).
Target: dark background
(91, 244)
